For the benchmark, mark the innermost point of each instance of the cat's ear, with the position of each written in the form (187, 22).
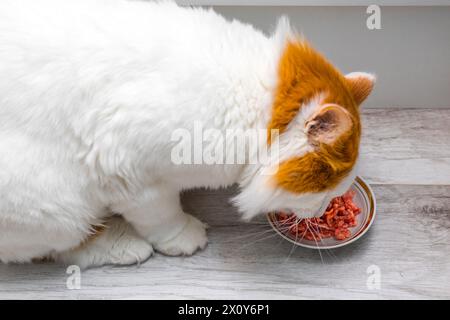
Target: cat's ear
(327, 124)
(361, 85)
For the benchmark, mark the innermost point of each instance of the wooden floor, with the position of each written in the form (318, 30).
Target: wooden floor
(406, 158)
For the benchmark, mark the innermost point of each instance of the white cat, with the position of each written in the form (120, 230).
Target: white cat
(91, 92)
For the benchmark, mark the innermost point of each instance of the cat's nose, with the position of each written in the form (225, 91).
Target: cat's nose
(305, 213)
(321, 210)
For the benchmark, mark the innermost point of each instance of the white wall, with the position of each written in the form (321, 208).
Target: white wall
(410, 54)
(315, 2)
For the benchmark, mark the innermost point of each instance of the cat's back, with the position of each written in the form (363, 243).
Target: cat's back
(65, 25)
(88, 24)
(85, 44)
(64, 39)
(73, 55)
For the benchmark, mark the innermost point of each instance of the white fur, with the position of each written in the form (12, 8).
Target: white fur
(118, 244)
(91, 91)
(358, 74)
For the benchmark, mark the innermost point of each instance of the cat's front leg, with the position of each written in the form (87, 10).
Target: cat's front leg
(157, 216)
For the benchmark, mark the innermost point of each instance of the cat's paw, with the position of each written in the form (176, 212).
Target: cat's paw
(187, 242)
(118, 244)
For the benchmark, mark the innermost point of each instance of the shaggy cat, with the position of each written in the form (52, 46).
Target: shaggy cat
(92, 92)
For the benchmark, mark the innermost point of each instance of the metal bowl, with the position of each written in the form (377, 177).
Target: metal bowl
(364, 198)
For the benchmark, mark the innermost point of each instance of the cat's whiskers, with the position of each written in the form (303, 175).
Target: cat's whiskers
(329, 252)
(258, 240)
(294, 245)
(315, 240)
(265, 229)
(282, 227)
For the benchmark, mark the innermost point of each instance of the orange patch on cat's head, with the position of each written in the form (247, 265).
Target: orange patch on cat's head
(333, 127)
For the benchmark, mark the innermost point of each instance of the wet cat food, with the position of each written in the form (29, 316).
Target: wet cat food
(340, 215)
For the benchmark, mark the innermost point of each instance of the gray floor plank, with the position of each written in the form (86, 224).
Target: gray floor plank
(406, 146)
(409, 243)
